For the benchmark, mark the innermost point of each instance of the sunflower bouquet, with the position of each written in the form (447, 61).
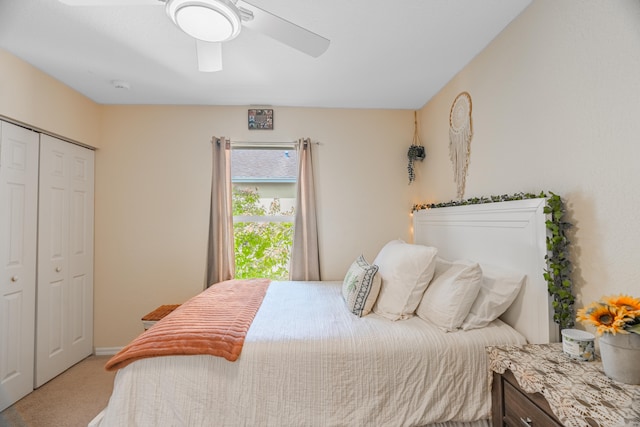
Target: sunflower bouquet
(617, 314)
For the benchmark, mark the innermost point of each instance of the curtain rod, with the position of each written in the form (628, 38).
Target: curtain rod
(265, 143)
(262, 142)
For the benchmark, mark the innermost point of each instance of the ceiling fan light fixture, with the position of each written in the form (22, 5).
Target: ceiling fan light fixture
(206, 20)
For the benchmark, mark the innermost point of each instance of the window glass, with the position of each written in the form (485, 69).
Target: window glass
(264, 189)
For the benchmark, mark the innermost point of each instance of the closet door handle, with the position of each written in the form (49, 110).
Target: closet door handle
(14, 278)
(58, 269)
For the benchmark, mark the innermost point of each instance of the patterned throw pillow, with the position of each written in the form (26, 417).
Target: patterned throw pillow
(361, 286)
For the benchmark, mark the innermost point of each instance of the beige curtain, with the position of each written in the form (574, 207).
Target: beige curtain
(305, 259)
(220, 253)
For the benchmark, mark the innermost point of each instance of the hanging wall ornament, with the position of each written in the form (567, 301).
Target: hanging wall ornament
(416, 149)
(460, 133)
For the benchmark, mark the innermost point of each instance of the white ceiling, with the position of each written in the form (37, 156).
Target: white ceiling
(383, 54)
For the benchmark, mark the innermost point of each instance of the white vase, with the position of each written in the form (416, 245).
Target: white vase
(620, 354)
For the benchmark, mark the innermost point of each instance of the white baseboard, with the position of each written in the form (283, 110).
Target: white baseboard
(106, 351)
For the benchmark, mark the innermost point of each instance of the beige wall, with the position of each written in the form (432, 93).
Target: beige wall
(153, 184)
(153, 177)
(29, 96)
(556, 107)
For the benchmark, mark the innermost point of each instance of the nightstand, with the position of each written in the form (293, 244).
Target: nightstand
(511, 406)
(150, 319)
(538, 385)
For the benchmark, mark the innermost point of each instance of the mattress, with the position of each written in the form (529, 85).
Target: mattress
(308, 361)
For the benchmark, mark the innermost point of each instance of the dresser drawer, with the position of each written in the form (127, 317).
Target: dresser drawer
(520, 411)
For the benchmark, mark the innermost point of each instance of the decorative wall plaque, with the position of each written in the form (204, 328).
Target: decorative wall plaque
(261, 119)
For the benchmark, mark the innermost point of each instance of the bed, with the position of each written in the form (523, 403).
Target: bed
(307, 360)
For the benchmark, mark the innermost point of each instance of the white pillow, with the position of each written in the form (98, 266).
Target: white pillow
(454, 288)
(498, 289)
(406, 271)
(361, 286)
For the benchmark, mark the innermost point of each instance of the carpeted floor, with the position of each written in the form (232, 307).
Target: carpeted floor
(72, 399)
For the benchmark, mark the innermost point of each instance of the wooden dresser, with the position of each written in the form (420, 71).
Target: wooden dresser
(538, 385)
(511, 406)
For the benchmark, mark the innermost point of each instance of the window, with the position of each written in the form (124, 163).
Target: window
(264, 191)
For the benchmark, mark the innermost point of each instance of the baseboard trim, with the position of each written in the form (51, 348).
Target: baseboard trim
(106, 351)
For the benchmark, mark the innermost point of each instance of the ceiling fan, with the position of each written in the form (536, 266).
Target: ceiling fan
(212, 22)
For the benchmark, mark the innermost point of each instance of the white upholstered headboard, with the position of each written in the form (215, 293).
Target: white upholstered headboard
(505, 234)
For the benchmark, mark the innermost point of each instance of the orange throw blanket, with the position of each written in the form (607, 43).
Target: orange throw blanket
(214, 322)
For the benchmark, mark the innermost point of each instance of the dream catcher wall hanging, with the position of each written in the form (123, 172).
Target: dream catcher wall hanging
(460, 133)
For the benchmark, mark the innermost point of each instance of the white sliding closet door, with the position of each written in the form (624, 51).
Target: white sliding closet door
(65, 258)
(18, 234)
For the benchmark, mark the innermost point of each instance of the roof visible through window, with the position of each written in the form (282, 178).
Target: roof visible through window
(272, 165)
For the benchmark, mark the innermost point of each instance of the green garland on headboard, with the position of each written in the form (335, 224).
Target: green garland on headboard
(559, 268)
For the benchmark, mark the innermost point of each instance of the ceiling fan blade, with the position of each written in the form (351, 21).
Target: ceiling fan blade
(112, 2)
(209, 56)
(284, 31)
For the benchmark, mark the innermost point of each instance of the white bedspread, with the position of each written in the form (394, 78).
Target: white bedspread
(307, 361)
